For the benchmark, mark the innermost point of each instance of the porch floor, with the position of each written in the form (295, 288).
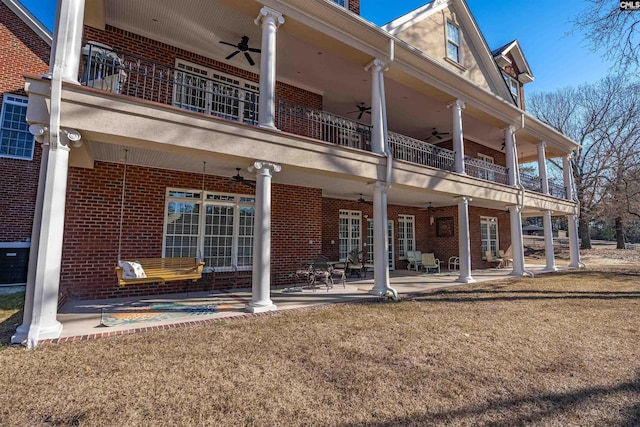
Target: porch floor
(83, 320)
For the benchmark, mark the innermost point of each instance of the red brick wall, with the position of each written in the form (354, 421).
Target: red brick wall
(92, 226)
(354, 6)
(21, 52)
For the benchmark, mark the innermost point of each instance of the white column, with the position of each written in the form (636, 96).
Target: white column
(261, 277)
(567, 175)
(20, 336)
(458, 137)
(380, 241)
(270, 21)
(517, 243)
(574, 245)
(377, 135)
(542, 167)
(548, 242)
(510, 154)
(464, 241)
(67, 39)
(44, 324)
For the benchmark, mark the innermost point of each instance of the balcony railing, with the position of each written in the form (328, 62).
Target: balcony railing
(134, 76)
(485, 170)
(419, 152)
(121, 73)
(530, 182)
(322, 125)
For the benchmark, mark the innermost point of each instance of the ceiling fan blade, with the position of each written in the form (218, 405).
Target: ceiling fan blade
(249, 184)
(233, 54)
(438, 136)
(445, 133)
(249, 59)
(254, 49)
(368, 111)
(229, 44)
(360, 115)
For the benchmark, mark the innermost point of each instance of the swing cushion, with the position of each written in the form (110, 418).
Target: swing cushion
(132, 270)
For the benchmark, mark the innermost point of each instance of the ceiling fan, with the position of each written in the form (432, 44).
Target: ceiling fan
(362, 200)
(243, 46)
(436, 134)
(240, 179)
(362, 109)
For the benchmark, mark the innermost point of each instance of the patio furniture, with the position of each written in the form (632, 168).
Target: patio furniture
(430, 262)
(158, 270)
(507, 260)
(454, 263)
(354, 263)
(414, 259)
(493, 260)
(322, 273)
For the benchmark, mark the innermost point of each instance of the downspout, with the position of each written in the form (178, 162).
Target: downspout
(387, 151)
(519, 183)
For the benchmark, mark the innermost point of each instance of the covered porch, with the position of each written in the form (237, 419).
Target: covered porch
(83, 320)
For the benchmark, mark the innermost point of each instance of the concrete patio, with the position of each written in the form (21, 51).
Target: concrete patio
(90, 319)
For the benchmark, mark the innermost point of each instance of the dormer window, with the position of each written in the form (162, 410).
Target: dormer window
(343, 3)
(514, 88)
(453, 42)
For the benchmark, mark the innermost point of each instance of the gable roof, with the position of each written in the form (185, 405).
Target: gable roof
(28, 18)
(513, 47)
(472, 32)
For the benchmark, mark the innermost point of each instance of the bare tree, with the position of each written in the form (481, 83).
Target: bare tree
(599, 117)
(613, 31)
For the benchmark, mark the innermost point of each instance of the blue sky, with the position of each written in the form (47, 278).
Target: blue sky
(557, 58)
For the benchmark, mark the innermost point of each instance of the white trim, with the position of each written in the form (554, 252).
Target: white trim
(351, 216)
(406, 220)
(15, 245)
(28, 18)
(490, 220)
(415, 16)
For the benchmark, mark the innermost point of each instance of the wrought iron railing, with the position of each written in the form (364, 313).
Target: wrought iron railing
(117, 72)
(322, 125)
(530, 182)
(419, 152)
(485, 170)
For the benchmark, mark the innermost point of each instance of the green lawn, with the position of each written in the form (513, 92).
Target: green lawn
(10, 315)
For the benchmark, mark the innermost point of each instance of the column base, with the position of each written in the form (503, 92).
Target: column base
(268, 126)
(550, 269)
(377, 292)
(465, 279)
(260, 308)
(517, 273)
(49, 332)
(574, 265)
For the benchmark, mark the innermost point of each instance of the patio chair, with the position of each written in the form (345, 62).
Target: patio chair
(507, 260)
(454, 263)
(354, 263)
(322, 273)
(414, 259)
(493, 260)
(430, 262)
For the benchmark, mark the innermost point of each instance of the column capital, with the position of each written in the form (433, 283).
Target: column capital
(457, 104)
(542, 144)
(377, 65)
(463, 199)
(514, 208)
(265, 167)
(269, 15)
(509, 128)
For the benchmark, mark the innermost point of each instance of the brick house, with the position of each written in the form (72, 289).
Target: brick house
(198, 130)
(25, 44)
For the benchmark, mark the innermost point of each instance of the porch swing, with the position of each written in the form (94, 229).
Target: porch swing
(154, 270)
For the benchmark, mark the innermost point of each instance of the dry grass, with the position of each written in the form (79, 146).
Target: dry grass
(555, 350)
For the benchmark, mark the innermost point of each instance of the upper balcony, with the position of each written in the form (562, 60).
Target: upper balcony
(122, 73)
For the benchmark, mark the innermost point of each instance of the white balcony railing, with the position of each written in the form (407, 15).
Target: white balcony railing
(419, 152)
(485, 170)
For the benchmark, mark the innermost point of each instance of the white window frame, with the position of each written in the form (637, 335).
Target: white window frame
(20, 101)
(353, 237)
(514, 87)
(451, 42)
(486, 243)
(406, 242)
(343, 3)
(486, 173)
(223, 95)
(203, 200)
(370, 246)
